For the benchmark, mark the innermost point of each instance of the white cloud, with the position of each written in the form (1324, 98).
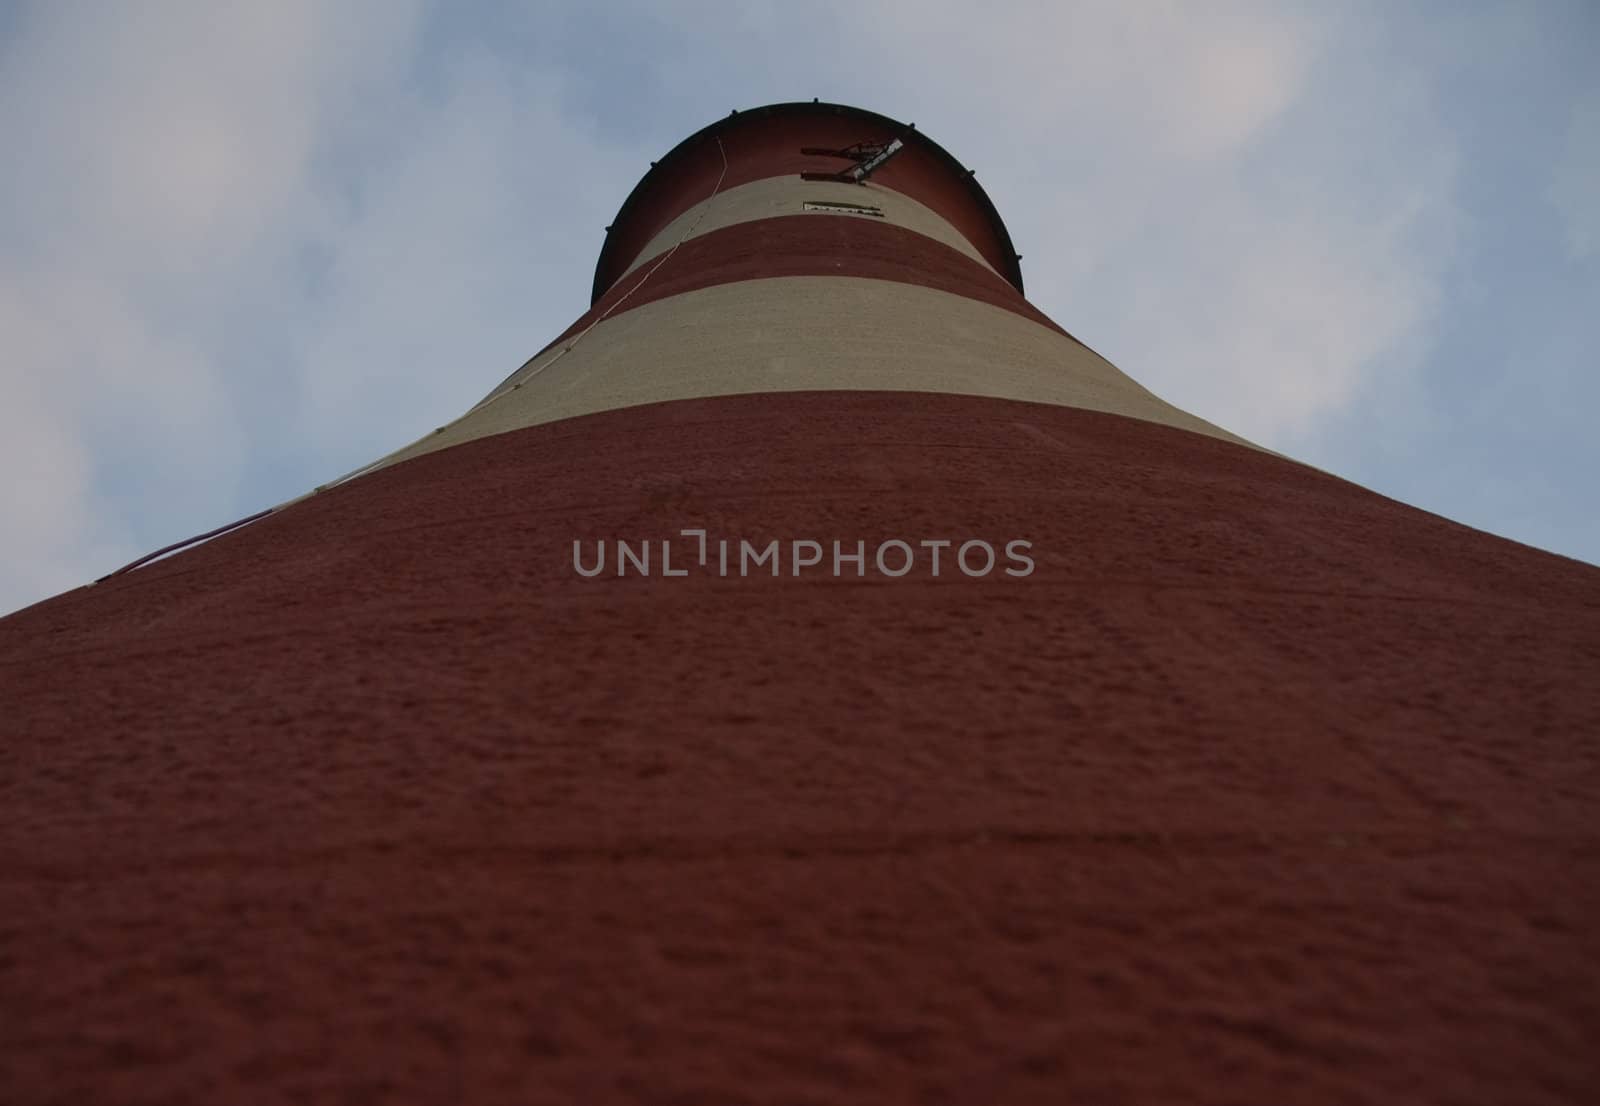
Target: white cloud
(1575, 182)
(458, 259)
(53, 536)
(160, 153)
(1172, 79)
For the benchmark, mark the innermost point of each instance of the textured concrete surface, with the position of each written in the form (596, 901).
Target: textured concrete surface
(777, 197)
(1262, 788)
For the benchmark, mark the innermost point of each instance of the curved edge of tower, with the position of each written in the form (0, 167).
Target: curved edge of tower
(946, 718)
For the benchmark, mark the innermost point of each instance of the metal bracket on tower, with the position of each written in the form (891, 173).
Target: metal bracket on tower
(868, 158)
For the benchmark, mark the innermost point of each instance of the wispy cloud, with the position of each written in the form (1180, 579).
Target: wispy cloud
(163, 174)
(1575, 181)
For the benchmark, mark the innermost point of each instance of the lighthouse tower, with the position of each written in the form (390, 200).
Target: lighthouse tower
(815, 676)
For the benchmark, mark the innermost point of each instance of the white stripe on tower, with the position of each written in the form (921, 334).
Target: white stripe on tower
(791, 334)
(775, 197)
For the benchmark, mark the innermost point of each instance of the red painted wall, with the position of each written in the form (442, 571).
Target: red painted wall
(1261, 788)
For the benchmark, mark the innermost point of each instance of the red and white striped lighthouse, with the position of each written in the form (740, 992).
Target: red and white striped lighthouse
(1223, 780)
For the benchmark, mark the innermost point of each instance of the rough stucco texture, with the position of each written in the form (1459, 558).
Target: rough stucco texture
(1261, 788)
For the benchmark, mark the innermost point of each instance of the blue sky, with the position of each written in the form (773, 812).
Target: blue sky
(247, 247)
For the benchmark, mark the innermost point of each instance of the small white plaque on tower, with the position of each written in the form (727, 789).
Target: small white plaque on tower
(837, 207)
